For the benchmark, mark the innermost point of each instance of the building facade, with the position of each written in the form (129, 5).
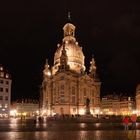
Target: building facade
(5, 92)
(138, 98)
(66, 85)
(110, 105)
(25, 107)
(117, 105)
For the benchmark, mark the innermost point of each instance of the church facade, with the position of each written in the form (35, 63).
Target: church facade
(66, 85)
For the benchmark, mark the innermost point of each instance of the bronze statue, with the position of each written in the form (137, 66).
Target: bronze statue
(87, 102)
(87, 112)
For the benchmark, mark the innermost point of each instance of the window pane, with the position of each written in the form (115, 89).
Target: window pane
(1, 97)
(73, 90)
(6, 97)
(1, 89)
(6, 89)
(73, 99)
(1, 81)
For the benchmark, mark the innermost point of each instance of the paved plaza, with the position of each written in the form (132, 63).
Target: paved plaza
(71, 135)
(17, 130)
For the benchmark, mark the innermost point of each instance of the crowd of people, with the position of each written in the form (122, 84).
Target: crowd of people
(129, 122)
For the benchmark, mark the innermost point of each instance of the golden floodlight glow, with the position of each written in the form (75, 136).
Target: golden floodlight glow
(37, 112)
(13, 113)
(49, 112)
(81, 111)
(49, 73)
(24, 114)
(96, 111)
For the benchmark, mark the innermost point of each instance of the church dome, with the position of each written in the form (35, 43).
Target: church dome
(73, 50)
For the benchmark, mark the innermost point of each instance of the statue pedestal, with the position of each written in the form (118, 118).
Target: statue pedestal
(87, 116)
(87, 112)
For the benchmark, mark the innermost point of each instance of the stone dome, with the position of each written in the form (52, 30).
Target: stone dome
(73, 50)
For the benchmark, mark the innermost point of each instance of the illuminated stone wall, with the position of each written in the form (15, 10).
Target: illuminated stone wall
(5, 92)
(66, 85)
(138, 98)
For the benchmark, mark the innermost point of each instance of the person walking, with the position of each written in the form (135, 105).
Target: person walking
(126, 122)
(133, 120)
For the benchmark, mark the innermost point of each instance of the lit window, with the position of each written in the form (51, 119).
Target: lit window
(6, 105)
(0, 105)
(7, 75)
(1, 68)
(1, 74)
(1, 97)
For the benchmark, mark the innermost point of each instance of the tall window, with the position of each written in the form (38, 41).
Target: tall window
(7, 82)
(92, 100)
(62, 93)
(1, 97)
(62, 110)
(7, 75)
(6, 105)
(92, 93)
(6, 98)
(62, 97)
(54, 95)
(1, 74)
(1, 89)
(6, 89)
(1, 81)
(84, 91)
(73, 98)
(84, 97)
(74, 110)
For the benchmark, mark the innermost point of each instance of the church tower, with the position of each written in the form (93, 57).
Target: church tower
(66, 85)
(92, 69)
(63, 60)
